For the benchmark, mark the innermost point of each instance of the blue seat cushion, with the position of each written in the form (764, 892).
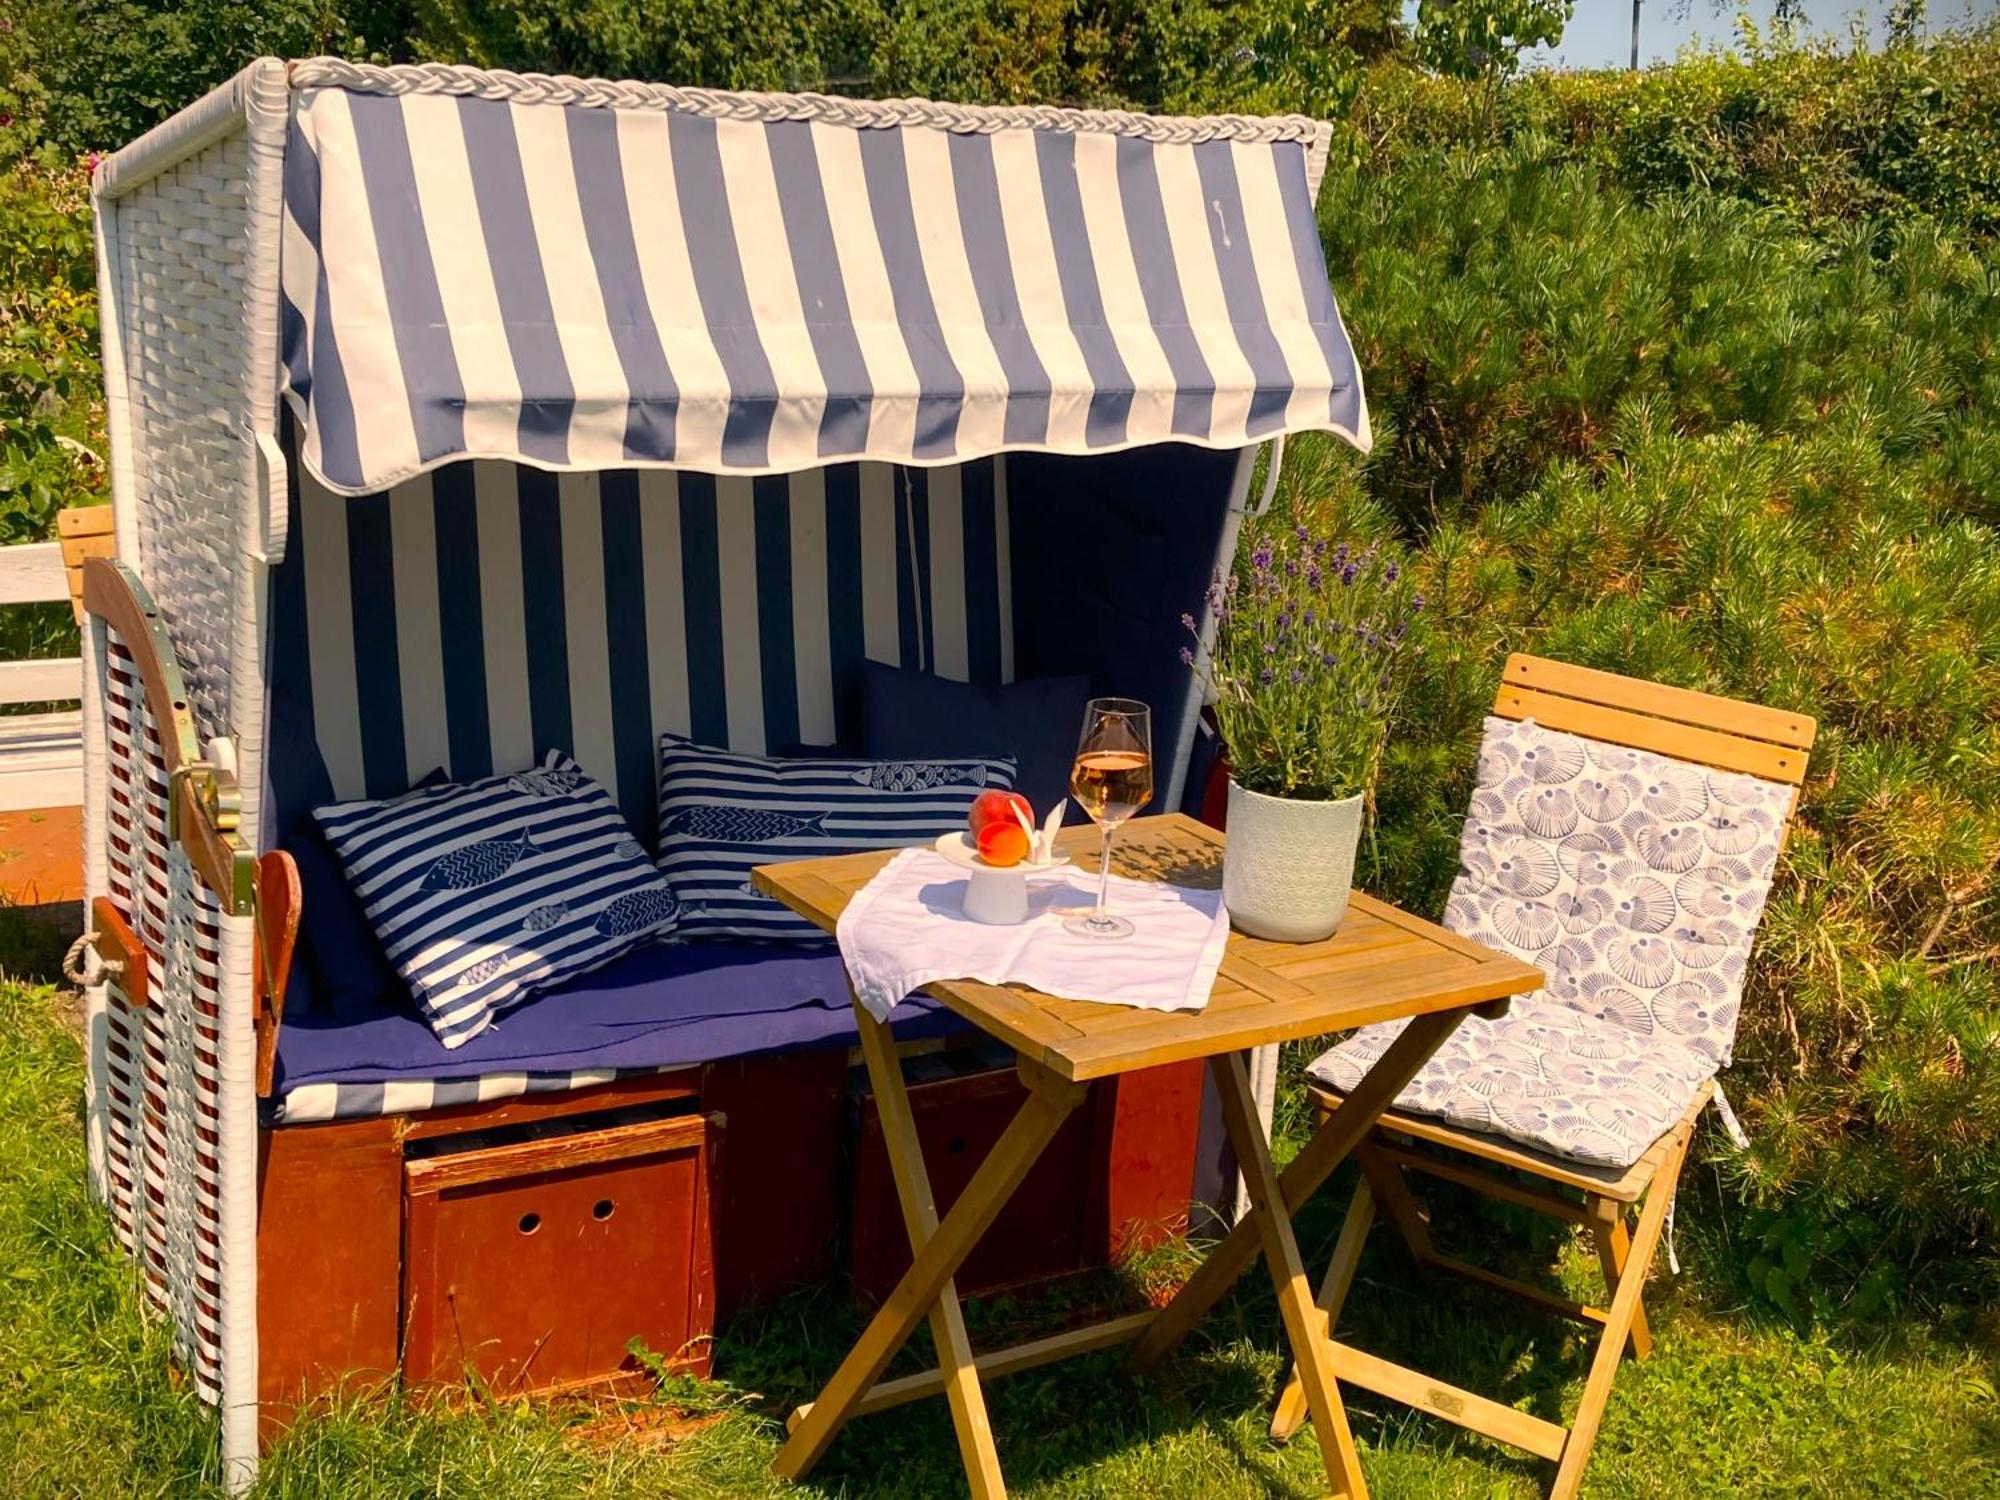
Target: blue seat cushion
(662, 1005)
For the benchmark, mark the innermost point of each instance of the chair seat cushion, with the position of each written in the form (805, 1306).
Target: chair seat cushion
(1635, 882)
(1546, 1075)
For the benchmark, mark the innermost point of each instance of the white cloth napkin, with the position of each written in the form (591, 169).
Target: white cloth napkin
(907, 928)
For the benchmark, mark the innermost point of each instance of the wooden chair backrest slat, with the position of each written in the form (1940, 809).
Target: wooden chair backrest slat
(1723, 733)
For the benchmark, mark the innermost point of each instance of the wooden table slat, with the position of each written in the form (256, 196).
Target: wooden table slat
(1382, 964)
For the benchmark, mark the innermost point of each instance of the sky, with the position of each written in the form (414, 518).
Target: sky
(1600, 31)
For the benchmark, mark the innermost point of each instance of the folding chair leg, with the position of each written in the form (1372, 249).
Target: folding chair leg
(1393, 1189)
(1619, 1321)
(1292, 1411)
(1614, 1249)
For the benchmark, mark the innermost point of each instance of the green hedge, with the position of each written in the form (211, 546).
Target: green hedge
(1827, 137)
(1687, 440)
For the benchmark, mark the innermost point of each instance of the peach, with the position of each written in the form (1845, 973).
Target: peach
(1002, 844)
(1010, 808)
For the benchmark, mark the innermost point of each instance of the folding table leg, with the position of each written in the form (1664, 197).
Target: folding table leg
(920, 1220)
(1049, 1103)
(1618, 1319)
(1305, 1325)
(1291, 1412)
(1309, 1170)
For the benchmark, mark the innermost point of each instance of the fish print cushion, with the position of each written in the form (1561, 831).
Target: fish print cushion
(722, 813)
(1635, 882)
(485, 892)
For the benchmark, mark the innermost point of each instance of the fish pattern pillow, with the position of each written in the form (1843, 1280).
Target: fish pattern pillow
(485, 892)
(723, 813)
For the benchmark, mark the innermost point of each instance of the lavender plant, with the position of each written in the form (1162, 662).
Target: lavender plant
(1309, 660)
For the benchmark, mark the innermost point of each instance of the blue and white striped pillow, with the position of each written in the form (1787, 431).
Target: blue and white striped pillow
(487, 891)
(723, 813)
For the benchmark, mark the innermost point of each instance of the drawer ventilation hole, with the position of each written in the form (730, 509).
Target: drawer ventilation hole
(603, 1209)
(530, 1223)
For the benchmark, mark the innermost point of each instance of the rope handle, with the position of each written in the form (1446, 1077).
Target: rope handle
(76, 968)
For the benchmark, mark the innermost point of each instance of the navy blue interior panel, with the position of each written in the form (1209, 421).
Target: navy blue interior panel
(1109, 552)
(475, 617)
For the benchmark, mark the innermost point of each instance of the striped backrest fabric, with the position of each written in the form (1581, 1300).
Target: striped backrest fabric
(477, 616)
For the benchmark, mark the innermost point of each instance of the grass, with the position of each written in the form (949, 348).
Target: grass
(1731, 1404)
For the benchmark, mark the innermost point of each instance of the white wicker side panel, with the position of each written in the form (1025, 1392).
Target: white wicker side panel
(162, 1086)
(188, 244)
(178, 289)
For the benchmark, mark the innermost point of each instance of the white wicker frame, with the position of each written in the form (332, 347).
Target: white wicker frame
(188, 230)
(188, 222)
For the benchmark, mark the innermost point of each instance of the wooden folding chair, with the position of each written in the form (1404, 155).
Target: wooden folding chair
(1719, 733)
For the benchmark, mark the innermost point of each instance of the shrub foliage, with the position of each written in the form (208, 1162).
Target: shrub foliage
(1687, 440)
(1690, 374)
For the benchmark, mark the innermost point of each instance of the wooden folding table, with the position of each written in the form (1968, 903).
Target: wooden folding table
(1382, 965)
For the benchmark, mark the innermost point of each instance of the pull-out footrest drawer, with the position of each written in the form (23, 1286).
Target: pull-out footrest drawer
(534, 1256)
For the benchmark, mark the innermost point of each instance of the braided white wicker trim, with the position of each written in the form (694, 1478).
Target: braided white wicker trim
(855, 114)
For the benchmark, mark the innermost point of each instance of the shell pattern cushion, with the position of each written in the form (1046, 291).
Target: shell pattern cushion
(1635, 882)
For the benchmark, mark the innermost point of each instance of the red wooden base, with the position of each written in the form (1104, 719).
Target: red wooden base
(397, 1245)
(1116, 1178)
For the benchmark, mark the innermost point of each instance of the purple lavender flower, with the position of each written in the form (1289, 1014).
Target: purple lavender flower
(1416, 604)
(1187, 657)
(1267, 677)
(1301, 533)
(1315, 576)
(1261, 558)
(1391, 573)
(1298, 675)
(1350, 572)
(1187, 623)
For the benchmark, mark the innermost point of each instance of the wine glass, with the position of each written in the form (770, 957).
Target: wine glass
(1111, 780)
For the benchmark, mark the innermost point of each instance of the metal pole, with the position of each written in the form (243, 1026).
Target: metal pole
(1635, 33)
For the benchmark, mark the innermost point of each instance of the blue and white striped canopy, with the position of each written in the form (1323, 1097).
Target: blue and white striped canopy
(591, 276)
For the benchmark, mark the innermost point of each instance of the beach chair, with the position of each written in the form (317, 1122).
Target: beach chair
(1622, 836)
(457, 418)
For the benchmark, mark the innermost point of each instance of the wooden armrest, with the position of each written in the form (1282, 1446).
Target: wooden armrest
(279, 905)
(118, 944)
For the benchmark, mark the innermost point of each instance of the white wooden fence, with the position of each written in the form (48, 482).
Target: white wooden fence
(41, 755)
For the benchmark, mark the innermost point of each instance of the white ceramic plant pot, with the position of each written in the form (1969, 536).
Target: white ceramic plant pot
(1289, 865)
